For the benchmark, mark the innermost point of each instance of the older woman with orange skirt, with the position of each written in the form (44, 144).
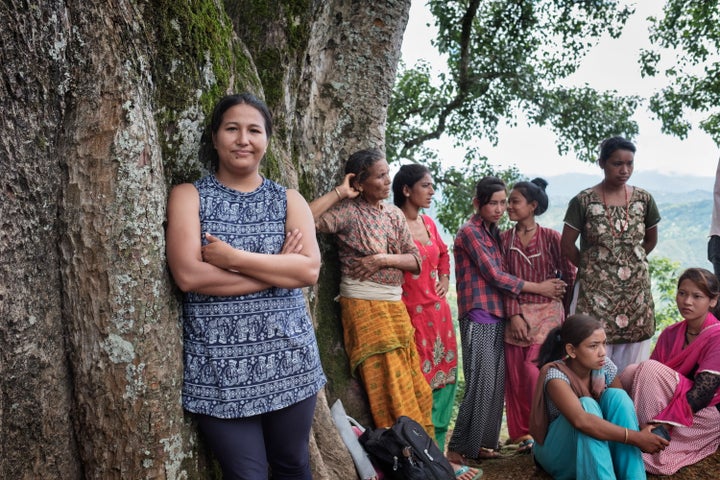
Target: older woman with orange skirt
(375, 249)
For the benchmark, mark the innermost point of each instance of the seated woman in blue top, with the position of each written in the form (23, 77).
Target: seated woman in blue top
(583, 422)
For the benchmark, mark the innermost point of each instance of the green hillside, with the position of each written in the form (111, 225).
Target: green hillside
(683, 230)
(686, 213)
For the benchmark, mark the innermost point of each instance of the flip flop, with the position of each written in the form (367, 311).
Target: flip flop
(526, 446)
(488, 454)
(465, 469)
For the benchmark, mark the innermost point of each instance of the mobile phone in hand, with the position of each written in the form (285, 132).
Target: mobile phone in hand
(661, 431)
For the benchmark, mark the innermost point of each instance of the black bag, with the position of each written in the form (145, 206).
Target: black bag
(406, 452)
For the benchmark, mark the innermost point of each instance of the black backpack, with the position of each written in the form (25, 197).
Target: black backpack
(406, 452)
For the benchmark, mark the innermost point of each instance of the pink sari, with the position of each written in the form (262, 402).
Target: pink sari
(702, 355)
(659, 386)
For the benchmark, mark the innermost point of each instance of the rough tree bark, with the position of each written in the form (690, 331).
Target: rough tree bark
(103, 105)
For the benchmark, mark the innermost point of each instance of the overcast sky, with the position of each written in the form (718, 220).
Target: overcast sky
(532, 149)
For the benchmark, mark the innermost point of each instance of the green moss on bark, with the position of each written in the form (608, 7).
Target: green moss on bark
(198, 57)
(277, 34)
(329, 327)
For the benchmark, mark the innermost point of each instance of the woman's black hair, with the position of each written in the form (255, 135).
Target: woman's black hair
(360, 162)
(611, 145)
(574, 330)
(707, 282)
(534, 191)
(484, 190)
(207, 149)
(486, 187)
(408, 175)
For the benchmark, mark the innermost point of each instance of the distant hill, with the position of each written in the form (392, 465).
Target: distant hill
(567, 185)
(684, 201)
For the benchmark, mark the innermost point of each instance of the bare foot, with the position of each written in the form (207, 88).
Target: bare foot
(455, 458)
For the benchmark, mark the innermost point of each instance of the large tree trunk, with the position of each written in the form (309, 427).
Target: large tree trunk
(35, 379)
(103, 105)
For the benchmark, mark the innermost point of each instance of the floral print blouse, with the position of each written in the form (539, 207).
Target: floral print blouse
(613, 276)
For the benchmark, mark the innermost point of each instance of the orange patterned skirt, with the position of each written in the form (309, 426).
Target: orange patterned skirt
(379, 339)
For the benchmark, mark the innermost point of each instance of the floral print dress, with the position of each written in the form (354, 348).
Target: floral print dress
(430, 313)
(613, 277)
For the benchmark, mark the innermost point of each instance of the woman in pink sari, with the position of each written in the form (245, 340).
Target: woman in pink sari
(679, 387)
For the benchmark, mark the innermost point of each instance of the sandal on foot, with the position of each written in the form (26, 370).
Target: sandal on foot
(464, 470)
(517, 440)
(487, 454)
(526, 446)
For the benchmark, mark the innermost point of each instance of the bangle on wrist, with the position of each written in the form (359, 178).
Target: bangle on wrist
(626, 435)
(338, 193)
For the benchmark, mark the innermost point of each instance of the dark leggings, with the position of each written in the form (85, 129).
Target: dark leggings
(245, 447)
(714, 253)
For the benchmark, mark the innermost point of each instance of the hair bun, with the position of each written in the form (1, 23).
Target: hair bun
(540, 182)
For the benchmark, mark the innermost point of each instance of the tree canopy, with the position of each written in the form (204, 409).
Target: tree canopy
(506, 60)
(686, 49)
(505, 57)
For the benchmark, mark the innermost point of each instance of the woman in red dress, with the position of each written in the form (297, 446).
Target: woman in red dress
(424, 294)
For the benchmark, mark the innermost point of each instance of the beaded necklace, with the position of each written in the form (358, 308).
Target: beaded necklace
(623, 225)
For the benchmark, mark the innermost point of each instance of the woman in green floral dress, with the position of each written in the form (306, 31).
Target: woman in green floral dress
(617, 226)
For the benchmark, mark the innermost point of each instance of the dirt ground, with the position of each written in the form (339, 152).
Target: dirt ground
(521, 467)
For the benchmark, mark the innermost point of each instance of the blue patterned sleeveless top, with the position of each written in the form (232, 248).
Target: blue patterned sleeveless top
(250, 354)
